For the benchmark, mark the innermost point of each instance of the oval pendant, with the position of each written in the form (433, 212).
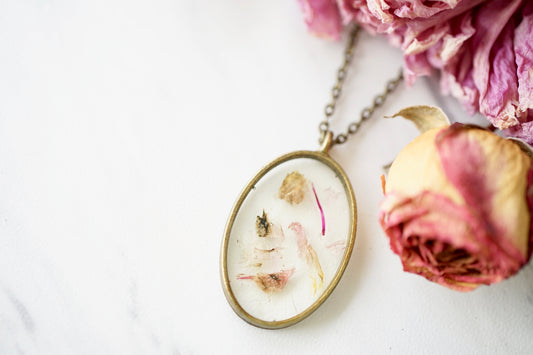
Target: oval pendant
(288, 239)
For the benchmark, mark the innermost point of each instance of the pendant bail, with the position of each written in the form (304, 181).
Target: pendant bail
(326, 142)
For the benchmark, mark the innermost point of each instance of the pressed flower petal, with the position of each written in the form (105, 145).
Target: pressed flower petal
(293, 188)
(269, 283)
(306, 252)
(322, 218)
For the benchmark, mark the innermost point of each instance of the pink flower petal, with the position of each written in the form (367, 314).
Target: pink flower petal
(420, 228)
(322, 17)
(472, 178)
(523, 47)
(323, 219)
(307, 253)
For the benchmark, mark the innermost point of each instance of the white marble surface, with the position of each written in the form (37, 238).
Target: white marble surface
(127, 130)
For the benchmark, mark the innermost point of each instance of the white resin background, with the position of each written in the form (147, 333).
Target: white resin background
(127, 131)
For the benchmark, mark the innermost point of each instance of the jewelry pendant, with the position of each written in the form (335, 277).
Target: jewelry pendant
(288, 239)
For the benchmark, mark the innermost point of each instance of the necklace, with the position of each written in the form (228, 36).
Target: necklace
(291, 232)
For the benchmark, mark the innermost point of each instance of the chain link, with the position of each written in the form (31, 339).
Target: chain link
(367, 112)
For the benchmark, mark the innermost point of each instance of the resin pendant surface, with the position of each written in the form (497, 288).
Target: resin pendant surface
(288, 240)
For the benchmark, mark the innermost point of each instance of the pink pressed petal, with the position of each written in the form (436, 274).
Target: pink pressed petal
(323, 219)
(339, 245)
(269, 283)
(307, 253)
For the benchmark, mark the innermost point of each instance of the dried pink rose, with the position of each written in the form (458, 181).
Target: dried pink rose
(457, 207)
(482, 48)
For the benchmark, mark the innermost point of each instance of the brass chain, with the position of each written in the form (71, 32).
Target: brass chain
(367, 112)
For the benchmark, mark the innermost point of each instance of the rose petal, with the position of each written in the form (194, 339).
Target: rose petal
(494, 65)
(322, 17)
(486, 184)
(429, 217)
(523, 131)
(523, 47)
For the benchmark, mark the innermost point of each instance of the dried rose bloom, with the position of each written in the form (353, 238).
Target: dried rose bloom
(482, 49)
(293, 188)
(457, 207)
(270, 283)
